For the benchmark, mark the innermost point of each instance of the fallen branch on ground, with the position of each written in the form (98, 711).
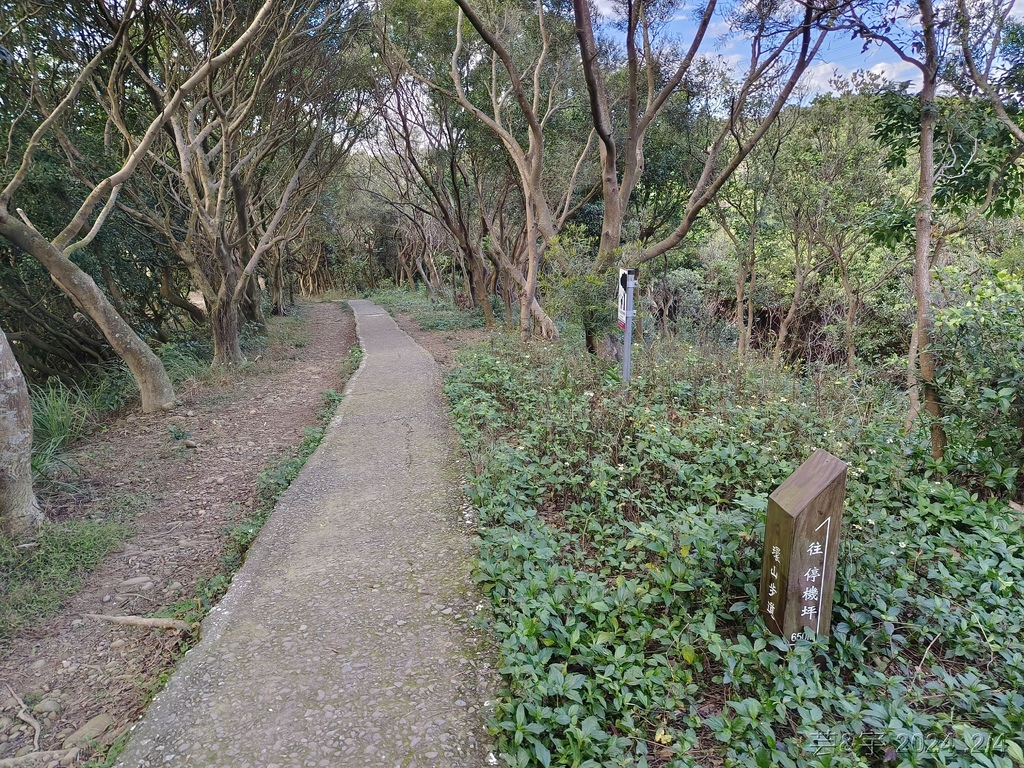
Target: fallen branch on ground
(142, 621)
(25, 717)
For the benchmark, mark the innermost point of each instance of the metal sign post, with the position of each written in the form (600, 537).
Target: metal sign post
(627, 283)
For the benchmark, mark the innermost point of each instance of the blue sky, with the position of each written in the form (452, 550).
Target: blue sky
(840, 54)
(844, 55)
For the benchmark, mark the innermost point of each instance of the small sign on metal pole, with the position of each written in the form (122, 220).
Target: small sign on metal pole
(627, 284)
(801, 545)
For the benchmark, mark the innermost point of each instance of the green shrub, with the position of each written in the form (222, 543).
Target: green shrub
(111, 388)
(980, 346)
(572, 292)
(186, 359)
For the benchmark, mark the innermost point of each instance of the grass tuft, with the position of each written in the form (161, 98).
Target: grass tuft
(36, 579)
(59, 415)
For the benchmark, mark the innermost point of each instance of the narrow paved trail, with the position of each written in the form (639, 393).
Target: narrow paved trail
(345, 640)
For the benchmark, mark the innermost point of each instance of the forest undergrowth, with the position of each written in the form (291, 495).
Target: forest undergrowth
(621, 551)
(36, 577)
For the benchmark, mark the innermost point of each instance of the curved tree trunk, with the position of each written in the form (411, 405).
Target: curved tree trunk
(426, 280)
(19, 511)
(154, 383)
(170, 293)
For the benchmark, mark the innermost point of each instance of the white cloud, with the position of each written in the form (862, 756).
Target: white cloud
(818, 77)
(897, 71)
(733, 61)
(720, 31)
(608, 9)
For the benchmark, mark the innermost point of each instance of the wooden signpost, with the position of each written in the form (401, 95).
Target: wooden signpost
(801, 544)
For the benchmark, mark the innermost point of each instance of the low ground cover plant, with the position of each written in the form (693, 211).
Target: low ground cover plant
(621, 550)
(430, 316)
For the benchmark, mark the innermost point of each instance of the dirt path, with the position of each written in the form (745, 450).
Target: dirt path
(94, 671)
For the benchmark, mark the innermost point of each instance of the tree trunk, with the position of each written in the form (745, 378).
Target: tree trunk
(116, 295)
(251, 305)
(800, 275)
(528, 289)
(750, 302)
(276, 272)
(548, 329)
(154, 383)
(524, 315)
(224, 321)
(19, 511)
(611, 225)
(507, 291)
(426, 280)
(746, 259)
(787, 321)
(851, 341)
(478, 273)
(923, 236)
(435, 277)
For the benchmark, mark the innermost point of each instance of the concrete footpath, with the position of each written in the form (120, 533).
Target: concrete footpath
(345, 639)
